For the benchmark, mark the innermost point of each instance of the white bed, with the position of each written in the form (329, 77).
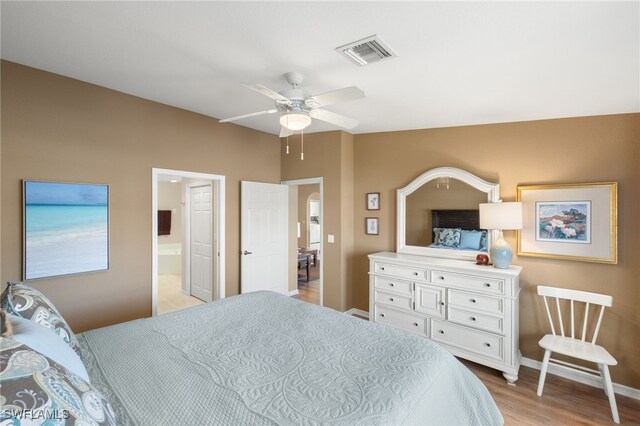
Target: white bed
(263, 358)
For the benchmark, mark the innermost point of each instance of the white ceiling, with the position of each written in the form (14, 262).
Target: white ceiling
(459, 63)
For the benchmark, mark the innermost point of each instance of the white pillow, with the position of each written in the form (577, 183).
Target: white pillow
(45, 341)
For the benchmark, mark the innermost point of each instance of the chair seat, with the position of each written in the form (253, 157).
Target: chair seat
(577, 349)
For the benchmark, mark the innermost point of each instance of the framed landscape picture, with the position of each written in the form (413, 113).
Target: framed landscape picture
(66, 228)
(569, 221)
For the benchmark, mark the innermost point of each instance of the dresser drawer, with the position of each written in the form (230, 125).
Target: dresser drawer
(468, 339)
(404, 321)
(475, 302)
(406, 272)
(398, 286)
(476, 319)
(472, 282)
(402, 302)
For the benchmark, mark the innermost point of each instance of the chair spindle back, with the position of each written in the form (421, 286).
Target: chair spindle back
(601, 300)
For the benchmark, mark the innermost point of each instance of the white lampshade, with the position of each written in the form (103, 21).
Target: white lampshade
(501, 216)
(295, 121)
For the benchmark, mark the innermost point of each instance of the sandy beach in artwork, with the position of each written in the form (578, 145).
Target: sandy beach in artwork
(62, 240)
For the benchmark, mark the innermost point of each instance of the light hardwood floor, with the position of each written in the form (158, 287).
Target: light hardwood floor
(564, 402)
(170, 295)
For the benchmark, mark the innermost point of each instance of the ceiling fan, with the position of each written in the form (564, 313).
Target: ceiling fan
(297, 109)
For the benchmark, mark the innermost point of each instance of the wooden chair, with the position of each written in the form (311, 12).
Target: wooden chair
(578, 348)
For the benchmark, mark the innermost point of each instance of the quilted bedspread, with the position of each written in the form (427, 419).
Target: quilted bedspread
(263, 358)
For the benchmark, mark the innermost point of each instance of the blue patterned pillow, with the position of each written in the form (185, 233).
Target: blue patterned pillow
(448, 237)
(483, 241)
(39, 391)
(27, 302)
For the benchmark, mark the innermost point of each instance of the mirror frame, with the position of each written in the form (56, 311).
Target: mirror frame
(493, 196)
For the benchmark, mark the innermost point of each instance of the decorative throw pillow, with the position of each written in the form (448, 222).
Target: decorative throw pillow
(27, 302)
(449, 237)
(39, 391)
(483, 241)
(470, 239)
(46, 341)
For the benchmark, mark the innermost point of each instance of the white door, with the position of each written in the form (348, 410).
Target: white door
(264, 237)
(201, 241)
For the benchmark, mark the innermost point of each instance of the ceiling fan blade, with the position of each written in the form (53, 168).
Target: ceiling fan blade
(333, 118)
(341, 95)
(253, 114)
(284, 132)
(268, 93)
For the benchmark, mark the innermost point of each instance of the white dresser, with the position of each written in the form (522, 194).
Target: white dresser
(471, 310)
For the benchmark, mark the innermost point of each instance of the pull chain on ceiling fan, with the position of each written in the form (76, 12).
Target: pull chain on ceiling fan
(297, 110)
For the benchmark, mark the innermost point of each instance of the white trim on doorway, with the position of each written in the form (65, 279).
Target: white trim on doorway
(314, 181)
(219, 206)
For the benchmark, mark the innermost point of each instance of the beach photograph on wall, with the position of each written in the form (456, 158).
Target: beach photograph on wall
(66, 228)
(564, 221)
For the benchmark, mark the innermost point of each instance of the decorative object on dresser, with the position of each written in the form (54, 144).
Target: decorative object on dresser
(569, 221)
(371, 226)
(425, 213)
(585, 347)
(501, 216)
(373, 201)
(471, 310)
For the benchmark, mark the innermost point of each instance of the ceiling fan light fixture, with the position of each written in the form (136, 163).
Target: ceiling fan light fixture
(295, 121)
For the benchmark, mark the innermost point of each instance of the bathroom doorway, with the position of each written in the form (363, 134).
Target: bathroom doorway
(187, 239)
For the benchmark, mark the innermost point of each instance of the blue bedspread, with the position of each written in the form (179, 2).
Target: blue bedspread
(263, 358)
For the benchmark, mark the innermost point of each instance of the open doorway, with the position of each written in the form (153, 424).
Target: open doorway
(187, 239)
(305, 241)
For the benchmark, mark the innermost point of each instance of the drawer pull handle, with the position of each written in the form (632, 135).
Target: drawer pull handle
(473, 300)
(391, 299)
(488, 345)
(382, 268)
(442, 303)
(390, 284)
(473, 318)
(441, 331)
(416, 274)
(441, 277)
(382, 315)
(416, 324)
(487, 284)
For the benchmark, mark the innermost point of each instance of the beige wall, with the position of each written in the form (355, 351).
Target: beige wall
(293, 238)
(591, 149)
(324, 157)
(170, 198)
(56, 128)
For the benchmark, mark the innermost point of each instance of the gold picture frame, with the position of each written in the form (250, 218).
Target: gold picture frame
(576, 221)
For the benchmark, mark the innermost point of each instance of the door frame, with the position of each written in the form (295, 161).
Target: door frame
(219, 206)
(314, 181)
(186, 250)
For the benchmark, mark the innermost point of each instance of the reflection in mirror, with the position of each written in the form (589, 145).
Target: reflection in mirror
(441, 203)
(444, 197)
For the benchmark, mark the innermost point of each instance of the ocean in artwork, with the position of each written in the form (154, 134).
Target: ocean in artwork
(66, 229)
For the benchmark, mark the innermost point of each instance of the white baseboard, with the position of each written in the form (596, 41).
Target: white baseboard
(581, 377)
(357, 312)
(293, 293)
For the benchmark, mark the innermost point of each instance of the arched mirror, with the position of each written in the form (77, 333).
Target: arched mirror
(438, 214)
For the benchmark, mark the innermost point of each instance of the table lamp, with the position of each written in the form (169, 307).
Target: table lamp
(501, 216)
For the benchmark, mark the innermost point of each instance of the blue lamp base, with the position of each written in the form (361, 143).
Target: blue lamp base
(501, 253)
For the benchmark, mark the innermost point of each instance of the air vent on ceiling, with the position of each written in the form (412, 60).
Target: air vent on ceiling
(367, 51)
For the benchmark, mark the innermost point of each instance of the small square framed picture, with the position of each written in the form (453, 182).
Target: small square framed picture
(373, 201)
(371, 224)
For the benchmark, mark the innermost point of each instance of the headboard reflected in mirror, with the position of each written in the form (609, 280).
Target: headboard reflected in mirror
(438, 214)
